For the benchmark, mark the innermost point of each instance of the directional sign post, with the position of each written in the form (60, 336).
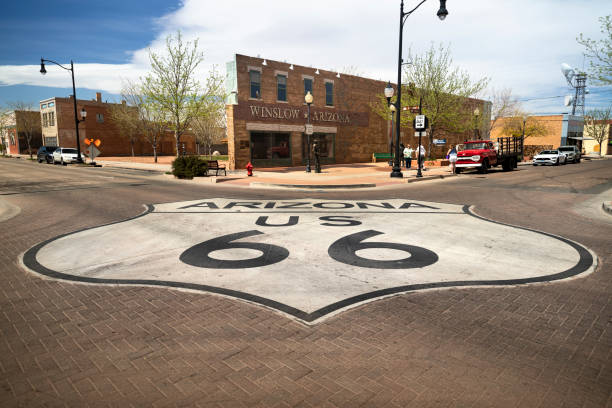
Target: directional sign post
(419, 122)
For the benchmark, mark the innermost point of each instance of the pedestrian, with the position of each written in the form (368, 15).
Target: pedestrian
(421, 150)
(408, 156)
(402, 158)
(452, 157)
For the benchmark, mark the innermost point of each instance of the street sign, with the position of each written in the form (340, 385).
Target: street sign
(309, 129)
(412, 109)
(92, 152)
(419, 122)
(439, 141)
(422, 134)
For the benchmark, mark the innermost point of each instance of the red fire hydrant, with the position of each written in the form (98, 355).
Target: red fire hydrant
(249, 169)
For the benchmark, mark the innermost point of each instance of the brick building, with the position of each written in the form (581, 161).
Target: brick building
(266, 114)
(58, 129)
(560, 130)
(15, 127)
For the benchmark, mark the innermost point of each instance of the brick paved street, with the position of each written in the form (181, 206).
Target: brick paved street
(70, 344)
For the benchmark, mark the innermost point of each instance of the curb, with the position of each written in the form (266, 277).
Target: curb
(314, 186)
(425, 178)
(607, 207)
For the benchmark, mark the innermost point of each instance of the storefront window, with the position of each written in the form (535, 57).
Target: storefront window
(270, 146)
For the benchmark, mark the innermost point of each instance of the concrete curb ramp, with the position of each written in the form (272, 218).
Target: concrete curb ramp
(607, 207)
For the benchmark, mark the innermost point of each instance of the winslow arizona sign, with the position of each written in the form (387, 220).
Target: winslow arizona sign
(309, 259)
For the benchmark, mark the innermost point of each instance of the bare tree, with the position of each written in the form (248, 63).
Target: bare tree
(149, 119)
(524, 124)
(5, 125)
(27, 122)
(207, 132)
(503, 104)
(598, 125)
(209, 123)
(125, 118)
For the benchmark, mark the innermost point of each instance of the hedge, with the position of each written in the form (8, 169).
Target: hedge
(188, 167)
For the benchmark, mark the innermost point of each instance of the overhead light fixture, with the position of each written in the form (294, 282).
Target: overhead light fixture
(317, 71)
(338, 76)
(264, 62)
(291, 67)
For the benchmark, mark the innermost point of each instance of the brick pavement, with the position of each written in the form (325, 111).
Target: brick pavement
(64, 344)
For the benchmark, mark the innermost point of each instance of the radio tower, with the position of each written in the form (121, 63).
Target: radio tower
(578, 82)
(580, 85)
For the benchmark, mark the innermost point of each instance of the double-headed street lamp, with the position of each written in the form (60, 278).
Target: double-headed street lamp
(76, 118)
(442, 13)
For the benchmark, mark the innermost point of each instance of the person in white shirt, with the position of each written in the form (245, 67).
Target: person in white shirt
(422, 156)
(408, 156)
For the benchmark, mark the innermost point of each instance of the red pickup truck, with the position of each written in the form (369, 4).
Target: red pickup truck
(484, 154)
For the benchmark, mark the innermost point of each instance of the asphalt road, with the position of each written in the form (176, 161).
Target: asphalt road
(75, 344)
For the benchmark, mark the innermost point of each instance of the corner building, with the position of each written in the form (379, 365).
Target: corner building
(266, 114)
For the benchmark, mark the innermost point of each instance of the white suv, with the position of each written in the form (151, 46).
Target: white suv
(572, 153)
(65, 155)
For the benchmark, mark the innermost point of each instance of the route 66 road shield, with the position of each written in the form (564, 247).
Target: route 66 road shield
(310, 258)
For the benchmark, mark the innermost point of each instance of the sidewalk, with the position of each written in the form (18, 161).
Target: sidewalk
(353, 175)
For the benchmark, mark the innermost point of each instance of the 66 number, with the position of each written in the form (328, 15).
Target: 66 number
(343, 250)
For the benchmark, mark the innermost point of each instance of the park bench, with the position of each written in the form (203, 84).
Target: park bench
(385, 156)
(214, 165)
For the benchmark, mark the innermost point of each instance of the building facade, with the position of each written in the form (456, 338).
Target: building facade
(556, 130)
(17, 126)
(58, 129)
(266, 115)
(591, 146)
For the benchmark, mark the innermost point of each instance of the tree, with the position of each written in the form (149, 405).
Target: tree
(442, 88)
(27, 122)
(4, 127)
(208, 126)
(207, 132)
(598, 125)
(503, 104)
(125, 118)
(172, 86)
(599, 53)
(149, 119)
(523, 124)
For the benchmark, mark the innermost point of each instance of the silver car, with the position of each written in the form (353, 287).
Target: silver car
(572, 153)
(553, 157)
(65, 155)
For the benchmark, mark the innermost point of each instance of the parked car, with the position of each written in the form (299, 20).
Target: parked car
(65, 155)
(553, 157)
(45, 153)
(572, 152)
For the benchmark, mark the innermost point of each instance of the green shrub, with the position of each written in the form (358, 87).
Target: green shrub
(188, 167)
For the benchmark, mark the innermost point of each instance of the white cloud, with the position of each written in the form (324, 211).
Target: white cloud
(518, 44)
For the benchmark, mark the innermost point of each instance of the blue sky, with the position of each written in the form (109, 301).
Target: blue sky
(85, 31)
(519, 44)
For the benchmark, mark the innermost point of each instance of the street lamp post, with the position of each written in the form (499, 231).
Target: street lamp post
(389, 94)
(442, 13)
(76, 118)
(476, 123)
(308, 100)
